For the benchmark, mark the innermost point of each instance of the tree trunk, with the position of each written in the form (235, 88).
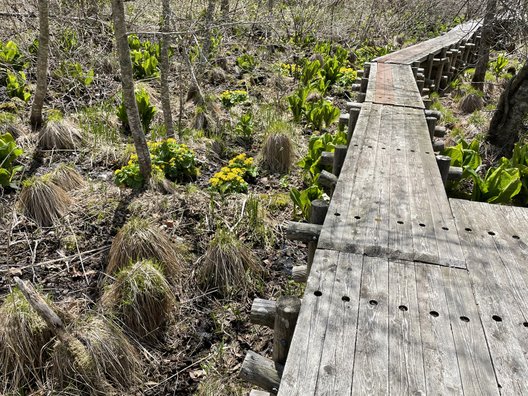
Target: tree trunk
(208, 43)
(129, 97)
(224, 7)
(507, 122)
(485, 44)
(42, 66)
(165, 68)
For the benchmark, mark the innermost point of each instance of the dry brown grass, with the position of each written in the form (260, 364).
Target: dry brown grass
(60, 134)
(44, 201)
(66, 177)
(104, 362)
(470, 103)
(142, 299)
(140, 239)
(277, 153)
(228, 265)
(23, 338)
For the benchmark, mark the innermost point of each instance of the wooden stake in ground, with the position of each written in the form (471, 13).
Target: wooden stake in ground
(129, 97)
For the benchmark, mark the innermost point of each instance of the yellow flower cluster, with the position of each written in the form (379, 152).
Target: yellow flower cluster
(289, 68)
(227, 175)
(241, 160)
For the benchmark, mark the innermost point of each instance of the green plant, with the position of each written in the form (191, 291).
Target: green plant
(231, 98)
(297, 102)
(146, 110)
(17, 87)
(176, 161)
(68, 40)
(11, 56)
(9, 152)
(310, 71)
(75, 71)
(348, 76)
(499, 65)
(145, 57)
(465, 155)
(302, 200)
(331, 71)
(242, 161)
(322, 114)
(519, 161)
(246, 62)
(310, 163)
(499, 185)
(130, 175)
(244, 126)
(477, 118)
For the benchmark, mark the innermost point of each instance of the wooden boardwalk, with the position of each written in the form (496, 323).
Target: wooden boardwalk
(410, 292)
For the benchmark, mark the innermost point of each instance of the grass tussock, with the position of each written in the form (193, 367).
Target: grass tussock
(60, 134)
(23, 338)
(67, 177)
(471, 102)
(43, 201)
(100, 360)
(277, 153)
(228, 265)
(142, 299)
(140, 239)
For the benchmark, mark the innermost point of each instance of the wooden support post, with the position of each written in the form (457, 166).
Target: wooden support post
(300, 273)
(327, 181)
(255, 392)
(431, 124)
(439, 131)
(444, 162)
(433, 113)
(304, 232)
(340, 153)
(263, 312)
(421, 85)
(355, 108)
(327, 158)
(366, 70)
(428, 68)
(318, 212)
(440, 67)
(455, 173)
(364, 84)
(438, 145)
(343, 121)
(426, 101)
(361, 97)
(288, 308)
(261, 371)
(355, 87)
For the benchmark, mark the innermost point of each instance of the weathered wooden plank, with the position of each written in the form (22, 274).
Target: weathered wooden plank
(371, 370)
(497, 290)
(406, 366)
(302, 367)
(442, 375)
(337, 364)
(474, 361)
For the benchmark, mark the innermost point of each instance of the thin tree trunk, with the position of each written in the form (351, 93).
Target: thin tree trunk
(42, 66)
(485, 44)
(507, 122)
(165, 68)
(208, 43)
(129, 97)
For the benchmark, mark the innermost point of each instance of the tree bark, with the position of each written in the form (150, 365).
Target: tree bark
(165, 68)
(208, 43)
(129, 97)
(42, 66)
(485, 44)
(507, 122)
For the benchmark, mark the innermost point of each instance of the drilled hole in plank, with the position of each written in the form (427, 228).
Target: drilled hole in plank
(525, 324)
(345, 298)
(516, 237)
(434, 314)
(496, 318)
(403, 308)
(398, 149)
(373, 302)
(355, 145)
(369, 146)
(445, 228)
(383, 148)
(412, 151)
(421, 225)
(491, 233)
(427, 152)
(464, 319)
(468, 229)
(318, 293)
(399, 222)
(337, 214)
(357, 217)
